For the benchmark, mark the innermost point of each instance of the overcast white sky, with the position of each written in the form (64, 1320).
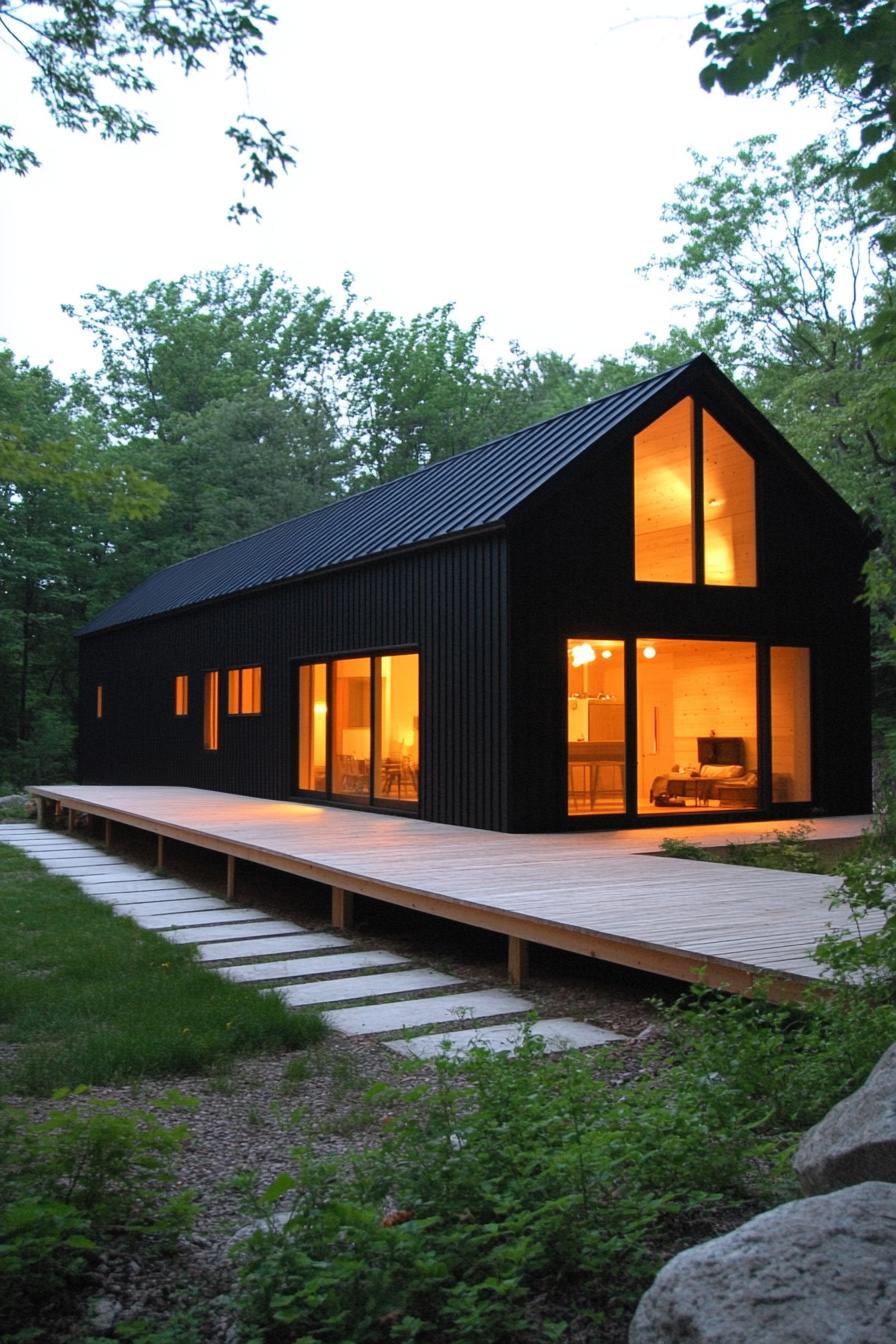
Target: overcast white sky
(511, 157)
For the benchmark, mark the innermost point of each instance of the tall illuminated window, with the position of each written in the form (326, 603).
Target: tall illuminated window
(675, 540)
(791, 726)
(181, 695)
(313, 727)
(595, 726)
(397, 709)
(210, 711)
(244, 690)
(664, 498)
(729, 510)
(350, 726)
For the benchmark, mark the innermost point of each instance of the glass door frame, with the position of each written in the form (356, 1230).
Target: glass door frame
(370, 800)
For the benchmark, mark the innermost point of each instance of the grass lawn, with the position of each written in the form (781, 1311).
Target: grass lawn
(88, 997)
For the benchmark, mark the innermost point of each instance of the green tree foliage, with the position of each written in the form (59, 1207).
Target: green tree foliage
(62, 494)
(841, 49)
(87, 54)
(222, 386)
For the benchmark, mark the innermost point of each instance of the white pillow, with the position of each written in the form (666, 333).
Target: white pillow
(721, 771)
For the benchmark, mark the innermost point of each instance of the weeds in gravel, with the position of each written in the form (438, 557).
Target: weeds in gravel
(88, 1177)
(89, 997)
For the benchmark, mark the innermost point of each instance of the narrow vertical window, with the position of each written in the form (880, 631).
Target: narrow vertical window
(181, 695)
(664, 498)
(791, 726)
(313, 727)
(244, 690)
(210, 712)
(99, 702)
(595, 725)
(351, 727)
(729, 510)
(397, 710)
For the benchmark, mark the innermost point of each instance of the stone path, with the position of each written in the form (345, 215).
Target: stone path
(241, 935)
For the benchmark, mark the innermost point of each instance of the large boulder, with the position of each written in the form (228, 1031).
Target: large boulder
(817, 1271)
(856, 1140)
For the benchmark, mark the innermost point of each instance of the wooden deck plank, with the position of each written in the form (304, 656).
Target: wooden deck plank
(608, 895)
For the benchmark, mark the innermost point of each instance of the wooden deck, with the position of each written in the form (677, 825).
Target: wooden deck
(602, 895)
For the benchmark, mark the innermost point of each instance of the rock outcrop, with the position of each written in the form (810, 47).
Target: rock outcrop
(815, 1271)
(856, 1140)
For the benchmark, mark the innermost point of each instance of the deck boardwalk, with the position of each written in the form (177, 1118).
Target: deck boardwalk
(600, 894)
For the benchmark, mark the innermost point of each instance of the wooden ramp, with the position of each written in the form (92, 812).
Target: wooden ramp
(602, 895)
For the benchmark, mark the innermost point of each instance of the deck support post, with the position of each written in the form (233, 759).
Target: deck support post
(41, 813)
(231, 877)
(70, 820)
(160, 851)
(107, 833)
(517, 960)
(341, 908)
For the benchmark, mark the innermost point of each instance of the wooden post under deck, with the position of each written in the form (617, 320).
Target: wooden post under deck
(517, 960)
(70, 822)
(342, 908)
(231, 877)
(41, 811)
(160, 851)
(107, 833)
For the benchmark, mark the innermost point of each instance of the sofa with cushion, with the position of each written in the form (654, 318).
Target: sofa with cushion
(720, 775)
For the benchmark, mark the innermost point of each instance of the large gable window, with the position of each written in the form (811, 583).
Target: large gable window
(683, 457)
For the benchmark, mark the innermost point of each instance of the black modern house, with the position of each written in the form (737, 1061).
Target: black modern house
(642, 610)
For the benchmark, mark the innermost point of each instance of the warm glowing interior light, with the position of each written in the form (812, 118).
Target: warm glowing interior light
(649, 651)
(715, 503)
(606, 653)
(320, 707)
(581, 654)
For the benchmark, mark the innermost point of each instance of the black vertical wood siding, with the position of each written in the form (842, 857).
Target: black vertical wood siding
(448, 603)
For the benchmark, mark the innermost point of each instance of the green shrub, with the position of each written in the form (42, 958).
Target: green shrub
(90, 1175)
(789, 851)
(781, 1066)
(864, 953)
(513, 1182)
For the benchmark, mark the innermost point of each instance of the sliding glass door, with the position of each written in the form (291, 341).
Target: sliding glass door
(359, 729)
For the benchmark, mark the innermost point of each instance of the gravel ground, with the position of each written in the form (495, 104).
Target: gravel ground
(251, 1118)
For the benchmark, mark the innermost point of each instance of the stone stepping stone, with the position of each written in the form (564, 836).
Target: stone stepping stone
(363, 987)
(106, 877)
(296, 967)
(115, 889)
(251, 925)
(57, 849)
(263, 947)
(186, 919)
(559, 1033)
(458, 1008)
(184, 904)
(153, 896)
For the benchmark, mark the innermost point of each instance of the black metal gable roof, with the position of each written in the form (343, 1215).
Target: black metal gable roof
(475, 490)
